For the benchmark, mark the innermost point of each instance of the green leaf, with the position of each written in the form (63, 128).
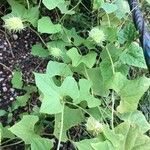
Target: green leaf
(133, 56)
(23, 99)
(110, 135)
(98, 86)
(24, 129)
(85, 94)
(32, 15)
(106, 145)
(52, 4)
(5, 133)
(77, 59)
(18, 10)
(45, 25)
(20, 101)
(82, 145)
(76, 116)
(110, 33)
(53, 95)
(61, 4)
(38, 50)
(71, 36)
(128, 33)
(137, 118)
(97, 4)
(133, 138)
(130, 91)
(142, 143)
(109, 7)
(55, 68)
(41, 144)
(17, 80)
(148, 1)
(2, 112)
(123, 8)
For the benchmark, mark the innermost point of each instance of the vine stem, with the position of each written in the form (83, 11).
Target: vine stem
(12, 144)
(39, 3)
(28, 4)
(112, 64)
(61, 127)
(112, 94)
(108, 20)
(112, 110)
(39, 36)
(80, 108)
(6, 68)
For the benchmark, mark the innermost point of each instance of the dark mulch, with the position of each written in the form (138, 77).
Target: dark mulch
(15, 55)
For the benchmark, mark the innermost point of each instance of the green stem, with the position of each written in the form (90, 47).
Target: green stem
(61, 127)
(108, 20)
(39, 3)
(112, 110)
(39, 36)
(112, 64)
(12, 144)
(112, 96)
(80, 108)
(28, 4)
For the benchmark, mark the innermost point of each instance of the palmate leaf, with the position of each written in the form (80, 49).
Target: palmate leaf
(24, 129)
(130, 91)
(53, 95)
(52, 102)
(77, 59)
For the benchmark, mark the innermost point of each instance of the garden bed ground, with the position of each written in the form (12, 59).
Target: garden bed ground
(15, 55)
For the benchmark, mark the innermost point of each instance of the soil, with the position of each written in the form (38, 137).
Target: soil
(15, 55)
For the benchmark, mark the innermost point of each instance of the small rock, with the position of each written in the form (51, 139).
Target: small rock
(4, 89)
(15, 36)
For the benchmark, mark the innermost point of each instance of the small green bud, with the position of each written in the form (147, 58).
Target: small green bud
(93, 126)
(97, 35)
(55, 52)
(14, 24)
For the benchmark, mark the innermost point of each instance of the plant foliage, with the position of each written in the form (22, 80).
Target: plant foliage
(88, 82)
